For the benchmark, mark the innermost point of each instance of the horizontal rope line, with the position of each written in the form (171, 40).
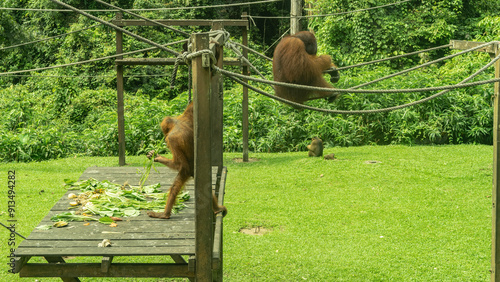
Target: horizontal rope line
(90, 61)
(462, 83)
(142, 10)
(327, 15)
(337, 90)
(48, 38)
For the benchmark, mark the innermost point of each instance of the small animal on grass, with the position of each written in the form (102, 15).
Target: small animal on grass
(295, 61)
(315, 148)
(179, 136)
(330, 156)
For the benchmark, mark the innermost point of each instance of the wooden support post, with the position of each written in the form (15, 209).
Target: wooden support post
(295, 14)
(20, 262)
(202, 159)
(217, 106)
(106, 263)
(493, 50)
(218, 257)
(217, 116)
(244, 105)
(495, 245)
(60, 260)
(120, 97)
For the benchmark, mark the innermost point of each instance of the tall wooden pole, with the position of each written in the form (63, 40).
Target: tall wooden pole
(244, 105)
(217, 105)
(494, 51)
(495, 245)
(217, 119)
(120, 97)
(202, 159)
(295, 14)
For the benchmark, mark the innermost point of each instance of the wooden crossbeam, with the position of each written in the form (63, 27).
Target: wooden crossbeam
(70, 270)
(226, 22)
(465, 45)
(167, 61)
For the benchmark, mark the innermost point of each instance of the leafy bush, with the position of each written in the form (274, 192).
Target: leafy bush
(56, 116)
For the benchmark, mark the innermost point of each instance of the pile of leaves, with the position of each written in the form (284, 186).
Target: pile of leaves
(112, 201)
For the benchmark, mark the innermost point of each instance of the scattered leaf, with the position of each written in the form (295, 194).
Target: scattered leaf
(69, 182)
(70, 216)
(105, 220)
(60, 224)
(113, 201)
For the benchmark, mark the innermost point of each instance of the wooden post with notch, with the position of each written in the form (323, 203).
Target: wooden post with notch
(494, 51)
(217, 120)
(120, 97)
(295, 14)
(495, 245)
(202, 159)
(217, 103)
(244, 105)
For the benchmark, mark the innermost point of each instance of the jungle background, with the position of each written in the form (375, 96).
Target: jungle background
(70, 111)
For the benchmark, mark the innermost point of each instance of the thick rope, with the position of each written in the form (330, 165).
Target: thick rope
(48, 38)
(352, 90)
(423, 65)
(145, 10)
(253, 51)
(116, 27)
(143, 18)
(190, 56)
(302, 106)
(233, 47)
(90, 61)
(356, 65)
(449, 88)
(356, 11)
(190, 86)
(377, 80)
(179, 59)
(187, 58)
(394, 57)
(334, 14)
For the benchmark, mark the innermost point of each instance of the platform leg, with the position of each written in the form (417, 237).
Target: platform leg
(61, 260)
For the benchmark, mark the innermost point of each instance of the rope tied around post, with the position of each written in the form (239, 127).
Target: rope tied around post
(199, 53)
(181, 58)
(187, 58)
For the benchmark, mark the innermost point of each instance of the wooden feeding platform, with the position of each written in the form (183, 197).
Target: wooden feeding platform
(139, 236)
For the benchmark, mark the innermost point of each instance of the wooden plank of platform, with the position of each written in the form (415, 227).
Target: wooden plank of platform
(134, 236)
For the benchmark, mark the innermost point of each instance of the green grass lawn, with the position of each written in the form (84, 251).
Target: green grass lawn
(417, 214)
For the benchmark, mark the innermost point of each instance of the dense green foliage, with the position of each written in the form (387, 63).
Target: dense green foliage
(403, 28)
(71, 111)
